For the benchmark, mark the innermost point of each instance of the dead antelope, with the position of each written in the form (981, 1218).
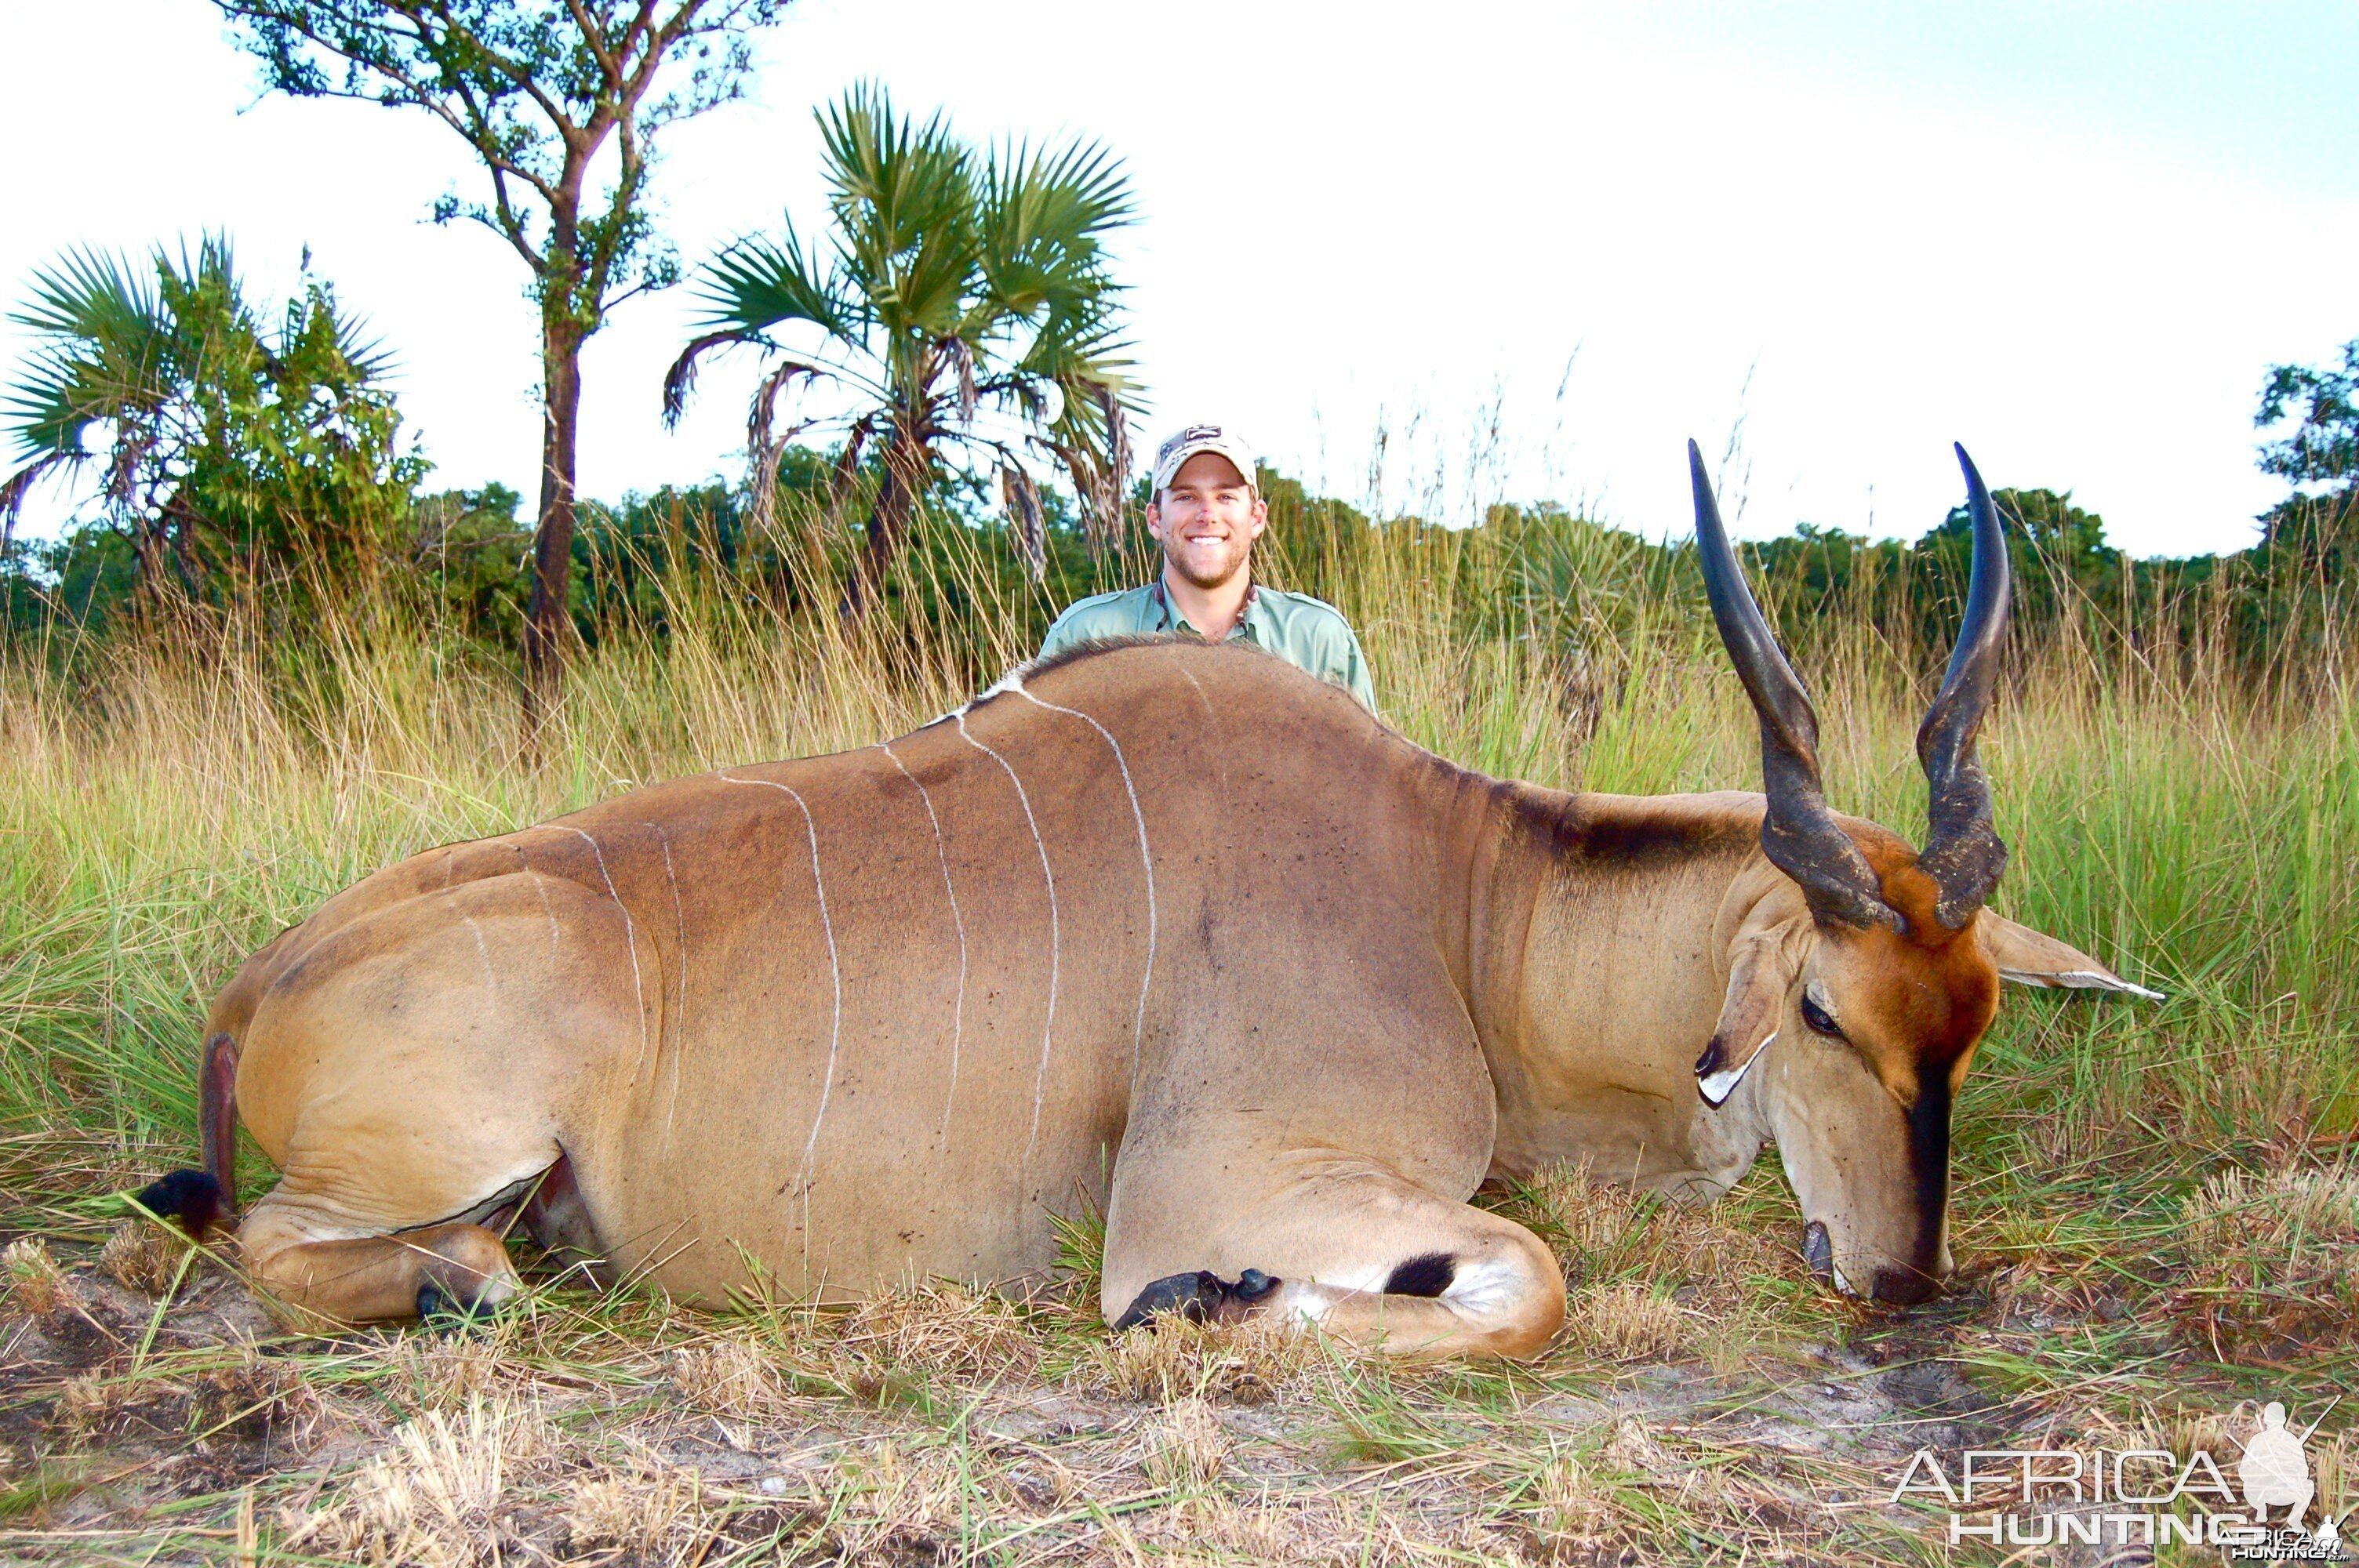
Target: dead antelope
(1168, 928)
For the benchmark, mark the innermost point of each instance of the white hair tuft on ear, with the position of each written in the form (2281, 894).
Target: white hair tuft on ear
(2080, 980)
(1717, 1086)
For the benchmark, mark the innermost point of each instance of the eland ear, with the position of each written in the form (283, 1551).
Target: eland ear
(2030, 959)
(1760, 971)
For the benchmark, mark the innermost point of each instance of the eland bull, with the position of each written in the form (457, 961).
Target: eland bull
(1168, 929)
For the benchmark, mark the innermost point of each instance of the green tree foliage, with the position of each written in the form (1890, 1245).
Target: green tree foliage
(235, 452)
(2323, 446)
(468, 558)
(542, 91)
(2062, 567)
(2316, 529)
(961, 319)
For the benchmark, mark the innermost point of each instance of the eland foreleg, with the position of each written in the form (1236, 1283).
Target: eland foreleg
(1346, 1244)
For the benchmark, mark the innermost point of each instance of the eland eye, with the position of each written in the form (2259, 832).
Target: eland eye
(1820, 1020)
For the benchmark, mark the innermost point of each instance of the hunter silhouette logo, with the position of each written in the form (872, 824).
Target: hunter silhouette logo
(2275, 1471)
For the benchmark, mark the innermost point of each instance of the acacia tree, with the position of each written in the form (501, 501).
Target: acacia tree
(542, 91)
(961, 314)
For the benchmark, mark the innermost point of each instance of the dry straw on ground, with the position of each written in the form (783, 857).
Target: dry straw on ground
(727, 1377)
(35, 1286)
(435, 1498)
(2276, 1258)
(144, 1257)
(1185, 1447)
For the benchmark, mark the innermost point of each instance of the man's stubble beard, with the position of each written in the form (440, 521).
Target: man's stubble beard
(1207, 584)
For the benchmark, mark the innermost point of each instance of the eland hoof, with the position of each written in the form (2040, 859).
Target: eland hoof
(1199, 1297)
(443, 1313)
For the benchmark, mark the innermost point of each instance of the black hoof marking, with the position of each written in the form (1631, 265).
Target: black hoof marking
(1198, 1297)
(1190, 1295)
(1251, 1285)
(1428, 1275)
(191, 1198)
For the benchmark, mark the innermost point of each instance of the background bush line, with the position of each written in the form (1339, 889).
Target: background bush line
(2271, 614)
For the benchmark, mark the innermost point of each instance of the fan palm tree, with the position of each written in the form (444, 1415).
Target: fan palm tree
(107, 381)
(962, 317)
(202, 418)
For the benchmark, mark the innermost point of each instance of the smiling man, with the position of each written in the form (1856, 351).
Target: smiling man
(1206, 513)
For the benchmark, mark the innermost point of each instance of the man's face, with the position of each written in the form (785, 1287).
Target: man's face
(1207, 519)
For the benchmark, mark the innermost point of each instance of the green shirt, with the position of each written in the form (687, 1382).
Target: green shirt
(1307, 633)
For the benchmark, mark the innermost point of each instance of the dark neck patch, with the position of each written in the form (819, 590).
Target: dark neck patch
(1634, 833)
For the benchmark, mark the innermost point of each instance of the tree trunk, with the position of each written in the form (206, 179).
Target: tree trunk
(548, 620)
(898, 492)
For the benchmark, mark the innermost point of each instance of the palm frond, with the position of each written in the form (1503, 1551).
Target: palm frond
(1044, 219)
(758, 284)
(109, 351)
(847, 462)
(679, 380)
(892, 183)
(764, 447)
(960, 353)
(1021, 500)
(902, 200)
(20, 484)
(90, 294)
(1081, 356)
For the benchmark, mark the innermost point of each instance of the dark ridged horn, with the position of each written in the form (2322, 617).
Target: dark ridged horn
(1799, 834)
(1962, 851)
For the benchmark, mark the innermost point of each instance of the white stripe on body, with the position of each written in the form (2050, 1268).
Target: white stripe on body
(630, 938)
(1012, 681)
(1049, 1027)
(680, 1021)
(491, 991)
(540, 891)
(1146, 859)
(835, 979)
(957, 921)
(1220, 748)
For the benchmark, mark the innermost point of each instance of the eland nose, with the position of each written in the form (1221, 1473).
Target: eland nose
(1901, 1286)
(1904, 1287)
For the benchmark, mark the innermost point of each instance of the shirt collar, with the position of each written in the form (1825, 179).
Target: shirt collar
(1169, 618)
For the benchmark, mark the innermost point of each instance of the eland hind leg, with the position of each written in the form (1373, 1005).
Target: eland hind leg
(417, 1076)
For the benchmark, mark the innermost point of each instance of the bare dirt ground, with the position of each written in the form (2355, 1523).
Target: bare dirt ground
(1708, 1403)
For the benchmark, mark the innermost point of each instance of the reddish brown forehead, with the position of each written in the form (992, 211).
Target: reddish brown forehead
(1940, 988)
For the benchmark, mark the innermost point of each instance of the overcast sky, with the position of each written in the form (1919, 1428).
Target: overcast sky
(2072, 236)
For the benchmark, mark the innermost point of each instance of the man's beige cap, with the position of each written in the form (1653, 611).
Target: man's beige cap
(1197, 438)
